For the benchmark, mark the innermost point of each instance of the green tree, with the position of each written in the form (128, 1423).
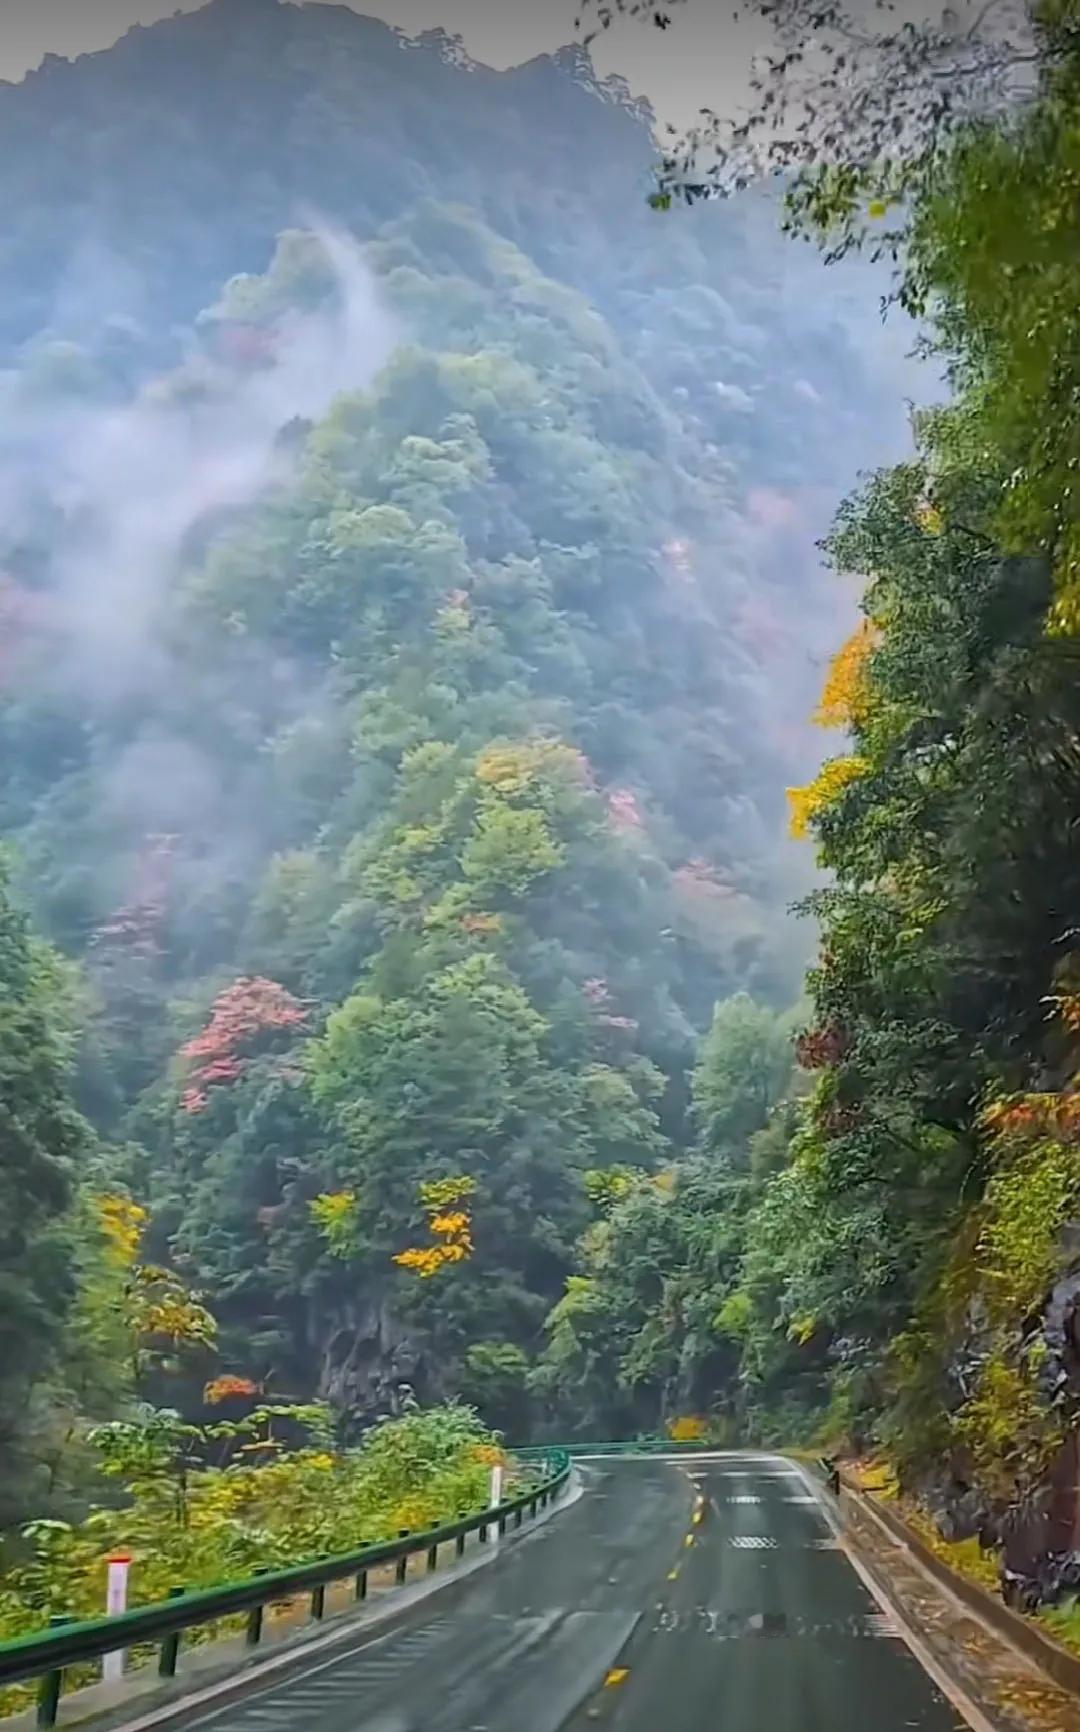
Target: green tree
(744, 1067)
(43, 1141)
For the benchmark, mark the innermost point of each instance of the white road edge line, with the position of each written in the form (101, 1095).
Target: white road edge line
(953, 1692)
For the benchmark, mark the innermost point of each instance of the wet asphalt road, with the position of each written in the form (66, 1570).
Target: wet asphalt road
(690, 1596)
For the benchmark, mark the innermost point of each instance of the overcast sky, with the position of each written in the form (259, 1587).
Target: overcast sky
(701, 59)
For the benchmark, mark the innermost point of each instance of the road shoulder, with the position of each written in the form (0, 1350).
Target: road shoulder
(989, 1679)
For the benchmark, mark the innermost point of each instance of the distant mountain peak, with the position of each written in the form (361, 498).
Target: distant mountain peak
(450, 48)
(576, 61)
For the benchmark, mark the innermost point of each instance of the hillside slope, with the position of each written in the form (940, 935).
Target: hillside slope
(407, 649)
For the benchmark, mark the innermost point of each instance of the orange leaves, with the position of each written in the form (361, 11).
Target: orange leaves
(1029, 1115)
(490, 1455)
(427, 1260)
(451, 1227)
(244, 1012)
(228, 1389)
(481, 923)
(845, 697)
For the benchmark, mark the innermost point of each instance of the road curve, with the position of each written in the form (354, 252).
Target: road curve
(700, 1595)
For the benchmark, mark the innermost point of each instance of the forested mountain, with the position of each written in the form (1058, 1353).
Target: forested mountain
(410, 617)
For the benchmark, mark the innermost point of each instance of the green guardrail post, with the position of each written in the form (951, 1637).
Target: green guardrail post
(519, 1516)
(253, 1634)
(502, 1524)
(402, 1568)
(318, 1601)
(170, 1646)
(50, 1684)
(360, 1586)
(459, 1543)
(433, 1558)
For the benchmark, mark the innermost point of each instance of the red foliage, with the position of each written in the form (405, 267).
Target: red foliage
(818, 1047)
(623, 809)
(244, 1013)
(133, 930)
(700, 878)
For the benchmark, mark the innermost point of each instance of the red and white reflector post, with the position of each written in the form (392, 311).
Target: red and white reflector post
(116, 1594)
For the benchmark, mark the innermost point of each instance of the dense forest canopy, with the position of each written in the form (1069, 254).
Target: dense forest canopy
(905, 1272)
(412, 620)
(406, 552)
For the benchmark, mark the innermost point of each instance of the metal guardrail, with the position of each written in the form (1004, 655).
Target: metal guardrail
(45, 1654)
(639, 1446)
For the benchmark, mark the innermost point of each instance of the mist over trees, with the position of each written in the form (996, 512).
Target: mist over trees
(411, 615)
(411, 625)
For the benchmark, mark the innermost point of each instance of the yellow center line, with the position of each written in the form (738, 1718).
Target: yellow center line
(689, 1540)
(673, 1575)
(617, 1675)
(698, 1513)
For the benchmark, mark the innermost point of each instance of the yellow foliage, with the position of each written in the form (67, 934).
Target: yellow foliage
(337, 1216)
(160, 1306)
(450, 1225)
(845, 695)
(1007, 1429)
(514, 766)
(809, 802)
(427, 1260)
(490, 1455)
(122, 1223)
(509, 769)
(690, 1428)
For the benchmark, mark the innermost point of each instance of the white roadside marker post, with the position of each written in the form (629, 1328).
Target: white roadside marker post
(495, 1498)
(112, 1665)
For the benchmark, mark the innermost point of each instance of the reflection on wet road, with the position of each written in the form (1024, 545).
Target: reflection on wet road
(698, 1595)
